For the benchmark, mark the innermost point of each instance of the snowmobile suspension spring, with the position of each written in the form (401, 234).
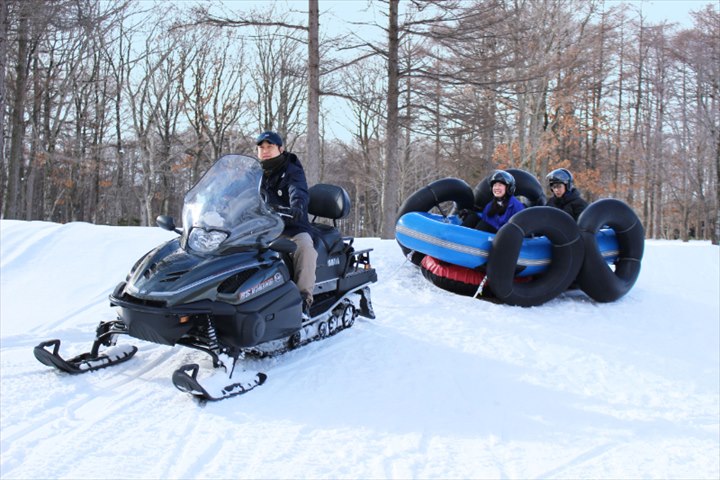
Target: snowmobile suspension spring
(212, 336)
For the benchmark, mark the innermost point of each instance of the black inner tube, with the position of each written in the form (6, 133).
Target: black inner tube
(449, 284)
(567, 256)
(596, 278)
(425, 199)
(526, 185)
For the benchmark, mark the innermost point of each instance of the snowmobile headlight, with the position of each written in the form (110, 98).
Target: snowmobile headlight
(202, 240)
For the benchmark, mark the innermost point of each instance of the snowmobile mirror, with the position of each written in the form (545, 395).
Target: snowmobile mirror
(283, 245)
(167, 222)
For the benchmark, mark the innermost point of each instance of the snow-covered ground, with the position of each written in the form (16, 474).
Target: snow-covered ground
(438, 386)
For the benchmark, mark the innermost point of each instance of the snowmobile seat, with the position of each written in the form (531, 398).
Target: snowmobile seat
(331, 202)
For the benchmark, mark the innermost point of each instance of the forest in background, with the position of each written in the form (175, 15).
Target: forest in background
(113, 109)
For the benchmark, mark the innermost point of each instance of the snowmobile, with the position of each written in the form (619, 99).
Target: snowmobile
(225, 287)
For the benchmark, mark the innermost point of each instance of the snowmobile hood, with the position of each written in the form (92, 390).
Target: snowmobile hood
(173, 275)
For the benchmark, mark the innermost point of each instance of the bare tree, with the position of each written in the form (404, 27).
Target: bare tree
(698, 56)
(117, 57)
(389, 199)
(147, 91)
(54, 41)
(4, 21)
(452, 88)
(280, 85)
(277, 31)
(365, 162)
(313, 69)
(214, 87)
(17, 120)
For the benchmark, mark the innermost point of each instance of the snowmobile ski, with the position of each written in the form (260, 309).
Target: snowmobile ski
(185, 379)
(82, 363)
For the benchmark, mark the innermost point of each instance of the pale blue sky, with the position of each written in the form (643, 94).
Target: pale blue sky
(674, 11)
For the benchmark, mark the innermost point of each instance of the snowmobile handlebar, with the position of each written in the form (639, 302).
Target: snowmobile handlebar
(281, 210)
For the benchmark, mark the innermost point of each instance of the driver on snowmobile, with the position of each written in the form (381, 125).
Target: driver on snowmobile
(286, 187)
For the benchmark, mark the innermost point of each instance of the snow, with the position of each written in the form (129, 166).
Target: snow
(437, 386)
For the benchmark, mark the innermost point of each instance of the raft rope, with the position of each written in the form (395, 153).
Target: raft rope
(479, 290)
(407, 259)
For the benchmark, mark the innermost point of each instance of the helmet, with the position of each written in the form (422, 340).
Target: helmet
(505, 178)
(561, 175)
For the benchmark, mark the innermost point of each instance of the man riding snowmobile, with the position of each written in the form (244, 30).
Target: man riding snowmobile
(224, 286)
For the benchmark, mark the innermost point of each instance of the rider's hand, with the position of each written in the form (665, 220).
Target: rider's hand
(279, 209)
(296, 213)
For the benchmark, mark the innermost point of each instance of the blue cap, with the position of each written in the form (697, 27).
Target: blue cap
(270, 137)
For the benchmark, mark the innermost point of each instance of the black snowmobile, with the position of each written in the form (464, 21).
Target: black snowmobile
(225, 285)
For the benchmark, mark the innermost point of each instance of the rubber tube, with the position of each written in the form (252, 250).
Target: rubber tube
(526, 185)
(567, 256)
(596, 278)
(425, 199)
(453, 278)
(457, 279)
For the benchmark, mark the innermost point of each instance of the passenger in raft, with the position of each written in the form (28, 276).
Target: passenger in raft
(499, 210)
(564, 194)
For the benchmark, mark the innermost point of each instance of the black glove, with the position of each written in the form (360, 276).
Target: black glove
(283, 211)
(463, 213)
(297, 213)
(470, 219)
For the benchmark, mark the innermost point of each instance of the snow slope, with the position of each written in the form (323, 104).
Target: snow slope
(438, 386)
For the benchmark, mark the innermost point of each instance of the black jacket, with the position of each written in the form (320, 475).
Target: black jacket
(571, 202)
(285, 185)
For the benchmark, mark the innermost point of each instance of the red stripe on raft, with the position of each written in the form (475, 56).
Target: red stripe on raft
(451, 271)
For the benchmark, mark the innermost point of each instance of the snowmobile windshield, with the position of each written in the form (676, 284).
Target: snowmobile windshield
(225, 208)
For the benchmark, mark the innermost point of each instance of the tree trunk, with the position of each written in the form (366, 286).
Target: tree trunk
(313, 121)
(638, 100)
(33, 163)
(390, 182)
(715, 234)
(4, 20)
(12, 203)
(618, 130)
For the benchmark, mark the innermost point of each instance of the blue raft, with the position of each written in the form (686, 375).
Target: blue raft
(445, 239)
(540, 253)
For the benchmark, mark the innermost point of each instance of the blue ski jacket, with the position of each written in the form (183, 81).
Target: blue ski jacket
(497, 221)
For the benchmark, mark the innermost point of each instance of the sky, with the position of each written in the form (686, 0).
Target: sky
(669, 10)
(437, 386)
(340, 122)
(336, 16)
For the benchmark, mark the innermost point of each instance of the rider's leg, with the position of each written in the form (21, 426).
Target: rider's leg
(304, 263)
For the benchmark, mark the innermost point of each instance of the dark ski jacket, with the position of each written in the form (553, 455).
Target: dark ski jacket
(285, 185)
(571, 202)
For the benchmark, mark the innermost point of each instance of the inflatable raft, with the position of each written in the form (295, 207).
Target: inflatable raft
(536, 256)
(445, 239)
